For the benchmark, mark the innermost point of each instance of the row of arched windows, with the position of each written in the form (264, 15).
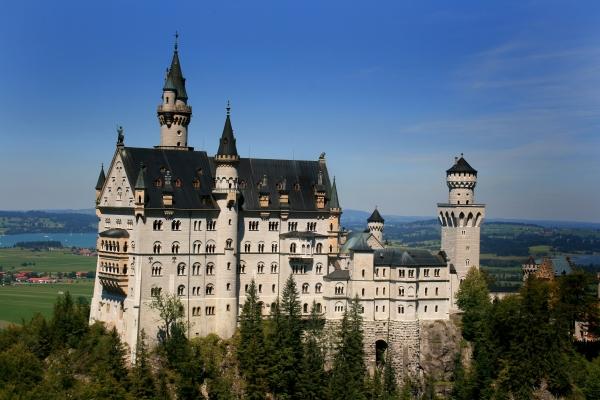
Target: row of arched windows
(112, 268)
(112, 245)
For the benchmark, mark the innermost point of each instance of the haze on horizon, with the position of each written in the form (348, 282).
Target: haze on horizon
(391, 93)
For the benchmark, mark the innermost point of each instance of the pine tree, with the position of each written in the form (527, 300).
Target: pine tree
(312, 383)
(285, 343)
(141, 378)
(349, 373)
(251, 349)
(390, 387)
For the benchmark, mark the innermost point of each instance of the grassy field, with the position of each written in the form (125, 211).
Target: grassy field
(45, 261)
(23, 301)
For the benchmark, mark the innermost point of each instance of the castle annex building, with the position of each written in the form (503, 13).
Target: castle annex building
(201, 225)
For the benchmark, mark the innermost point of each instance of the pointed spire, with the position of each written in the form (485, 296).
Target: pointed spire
(376, 217)
(101, 179)
(333, 198)
(227, 145)
(175, 80)
(140, 183)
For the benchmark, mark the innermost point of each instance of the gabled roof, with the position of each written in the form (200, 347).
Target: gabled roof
(101, 179)
(408, 257)
(376, 217)
(227, 145)
(185, 167)
(175, 80)
(461, 165)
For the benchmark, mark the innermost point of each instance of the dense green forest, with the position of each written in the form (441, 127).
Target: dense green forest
(519, 346)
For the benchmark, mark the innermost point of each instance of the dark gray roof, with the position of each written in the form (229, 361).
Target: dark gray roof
(302, 235)
(560, 265)
(299, 176)
(187, 166)
(408, 257)
(461, 165)
(333, 197)
(175, 80)
(376, 217)
(114, 233)
(352, 240)
(101, 179)
(361, 245)
(338, 275)
(183, 166)
(140, 183)
(227, 142)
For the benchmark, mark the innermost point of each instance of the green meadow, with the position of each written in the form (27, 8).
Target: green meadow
(16, 259)
(20, 302)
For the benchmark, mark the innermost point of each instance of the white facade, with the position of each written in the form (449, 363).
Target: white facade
(174, 220)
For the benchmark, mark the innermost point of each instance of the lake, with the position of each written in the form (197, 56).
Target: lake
(67, 239)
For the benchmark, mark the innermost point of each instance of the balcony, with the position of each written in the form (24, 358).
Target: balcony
(114, 283)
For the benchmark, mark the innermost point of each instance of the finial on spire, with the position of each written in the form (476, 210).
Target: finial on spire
(228, 108)
(462, 155)
(176, 40)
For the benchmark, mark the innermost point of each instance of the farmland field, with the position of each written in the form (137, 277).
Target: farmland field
(20, 302)
(44, 261)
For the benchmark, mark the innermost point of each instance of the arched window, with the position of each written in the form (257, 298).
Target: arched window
(181, 269)
(210, 269)
(339, 288)
(318, 288)
(180, 290)
(401, 291)
(339, 307)
(156, 248)
(196, 269)
(319, 269)
(318, 308)
(273, 268)
(261, 268)
(319, 248)
(305, 288)
(175, 248)
(305, 308)
(197, 247)
(293, 248)
(210, 288)
(229, 244)
(156, 269)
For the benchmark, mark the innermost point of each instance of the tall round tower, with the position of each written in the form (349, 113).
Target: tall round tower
(226, 193)
(461, 220)
(375, 224)
(174, 114)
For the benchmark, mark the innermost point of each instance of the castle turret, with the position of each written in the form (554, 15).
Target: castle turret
(335, 212)
(140, 192)
(461, 219)
(100, 183)
(174, 114)
(226, 194)
(375, 224)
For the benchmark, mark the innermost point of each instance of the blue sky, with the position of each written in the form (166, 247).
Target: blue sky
(391, 91)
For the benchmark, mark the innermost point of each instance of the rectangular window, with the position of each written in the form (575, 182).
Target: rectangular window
(401, 273)
(426, 272)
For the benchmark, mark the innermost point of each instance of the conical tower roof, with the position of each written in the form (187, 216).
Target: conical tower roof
(175, 80)
(333, 198)
(461, 165)
(375, 217)
(227, 145)
(140, 183)
(101, 178)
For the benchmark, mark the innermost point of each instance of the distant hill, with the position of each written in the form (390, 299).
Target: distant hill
(15, 222)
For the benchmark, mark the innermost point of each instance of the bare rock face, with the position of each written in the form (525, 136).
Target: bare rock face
(440, 343)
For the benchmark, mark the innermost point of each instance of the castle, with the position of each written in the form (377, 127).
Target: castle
(181, 221)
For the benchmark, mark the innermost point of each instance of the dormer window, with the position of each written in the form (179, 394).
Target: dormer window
(196, 184)
(158, 182)
(178, 183)
(297, 186)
